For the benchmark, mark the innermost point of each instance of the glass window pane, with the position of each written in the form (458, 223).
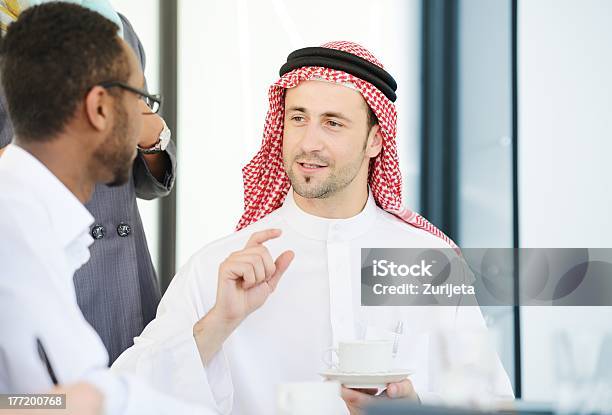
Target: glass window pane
(485, 146)
(564, 165)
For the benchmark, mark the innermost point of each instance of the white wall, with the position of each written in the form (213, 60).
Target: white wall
(229, 54)
(565, 143)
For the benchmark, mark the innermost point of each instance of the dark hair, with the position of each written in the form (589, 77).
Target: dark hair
(372, 119)
(50, 58)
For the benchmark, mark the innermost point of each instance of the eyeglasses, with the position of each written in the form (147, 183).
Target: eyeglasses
(153, 101)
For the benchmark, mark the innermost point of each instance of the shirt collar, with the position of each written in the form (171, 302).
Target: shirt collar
(69, 219)
(319, 228)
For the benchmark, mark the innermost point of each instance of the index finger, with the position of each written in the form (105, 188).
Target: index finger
(262, 236)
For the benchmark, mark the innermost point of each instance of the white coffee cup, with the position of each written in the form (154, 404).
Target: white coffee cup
(361, 356)
(307, 398)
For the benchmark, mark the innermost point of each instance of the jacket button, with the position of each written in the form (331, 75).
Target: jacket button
(98, 232)
(123, 230)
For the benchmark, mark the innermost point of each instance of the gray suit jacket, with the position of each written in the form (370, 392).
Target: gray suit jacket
(117, 289)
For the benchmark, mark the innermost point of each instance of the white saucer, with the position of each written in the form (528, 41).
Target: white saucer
(366, 380)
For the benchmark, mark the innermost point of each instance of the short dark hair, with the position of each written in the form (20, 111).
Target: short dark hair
(372, 119)
(50, 58)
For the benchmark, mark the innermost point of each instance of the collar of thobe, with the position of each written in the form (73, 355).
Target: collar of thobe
(315, 227)
(69, 219)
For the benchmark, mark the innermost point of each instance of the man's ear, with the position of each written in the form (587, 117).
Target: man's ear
(98, 108)
(374, 143)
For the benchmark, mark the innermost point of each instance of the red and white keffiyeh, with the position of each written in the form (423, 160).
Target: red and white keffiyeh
(266, 183)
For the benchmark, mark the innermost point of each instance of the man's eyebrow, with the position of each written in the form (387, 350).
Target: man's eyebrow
(327, 114)
(336, 115)
(296, 108)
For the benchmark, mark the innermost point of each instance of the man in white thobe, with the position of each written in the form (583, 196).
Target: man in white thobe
(323, 186)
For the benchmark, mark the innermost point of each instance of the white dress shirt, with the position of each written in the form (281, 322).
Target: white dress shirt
(316, 304)
(44, 239)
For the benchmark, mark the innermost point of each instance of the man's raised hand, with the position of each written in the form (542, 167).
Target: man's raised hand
(245, 281)
(247, 277)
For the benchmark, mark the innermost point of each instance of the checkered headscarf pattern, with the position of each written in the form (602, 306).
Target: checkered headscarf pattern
(265, 182)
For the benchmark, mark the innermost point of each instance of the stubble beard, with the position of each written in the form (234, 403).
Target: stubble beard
(308, 186)
(118, 158)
